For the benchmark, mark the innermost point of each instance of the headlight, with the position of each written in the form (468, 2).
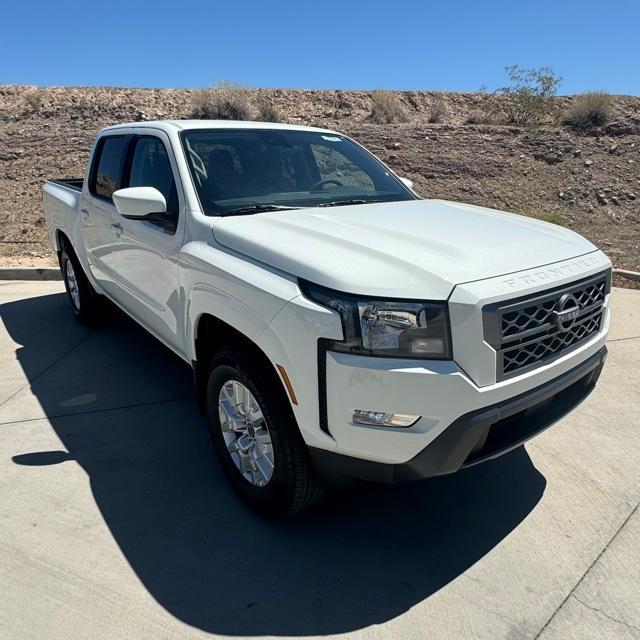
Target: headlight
(391, 328)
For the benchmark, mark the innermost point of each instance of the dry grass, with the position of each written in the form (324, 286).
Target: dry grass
(268, 112)
(438, 111)
(387, 108)
(589, 110)
(33, 100)
(225, 101)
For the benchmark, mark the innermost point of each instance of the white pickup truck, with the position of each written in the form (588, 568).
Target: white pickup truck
(337, 323)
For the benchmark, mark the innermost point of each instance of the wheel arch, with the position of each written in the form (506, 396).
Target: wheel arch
(61, 241)
(211, 335)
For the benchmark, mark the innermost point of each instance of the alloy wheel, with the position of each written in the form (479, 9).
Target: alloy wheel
(246, 433)
(72, 282)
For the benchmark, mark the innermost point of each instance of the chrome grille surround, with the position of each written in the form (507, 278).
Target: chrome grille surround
(530, 331)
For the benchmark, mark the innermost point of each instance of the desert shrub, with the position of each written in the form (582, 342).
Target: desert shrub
(528, 98)
(33, 100)
(225, 101)
(387, 108)
(478, 117)
(589, 110)
(268, 112)
(437, 111)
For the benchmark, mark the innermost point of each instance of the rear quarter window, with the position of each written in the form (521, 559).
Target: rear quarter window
(107, 173)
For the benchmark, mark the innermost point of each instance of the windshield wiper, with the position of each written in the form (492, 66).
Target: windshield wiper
(255, 208)
(339, 203)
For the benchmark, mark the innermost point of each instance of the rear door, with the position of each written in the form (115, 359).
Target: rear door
(146, 253)
(98, 216)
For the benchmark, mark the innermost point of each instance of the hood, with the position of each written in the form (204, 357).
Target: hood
(412, 249)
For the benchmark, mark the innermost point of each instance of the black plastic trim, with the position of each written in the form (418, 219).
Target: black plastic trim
(323, 348)
(72, 183)
(479, 435)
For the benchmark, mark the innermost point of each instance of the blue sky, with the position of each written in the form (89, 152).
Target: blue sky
(443, 45)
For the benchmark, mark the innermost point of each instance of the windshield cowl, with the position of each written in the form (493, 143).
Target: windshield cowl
(255, 208)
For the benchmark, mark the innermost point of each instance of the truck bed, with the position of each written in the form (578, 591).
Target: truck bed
(72, 183)
(61, 201)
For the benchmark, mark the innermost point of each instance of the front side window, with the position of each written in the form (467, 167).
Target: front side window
(150, 167)
(108, 170)
(237, 168)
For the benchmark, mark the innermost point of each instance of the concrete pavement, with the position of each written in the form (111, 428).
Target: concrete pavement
(115, 521)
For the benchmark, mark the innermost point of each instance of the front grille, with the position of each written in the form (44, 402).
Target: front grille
(531, 331)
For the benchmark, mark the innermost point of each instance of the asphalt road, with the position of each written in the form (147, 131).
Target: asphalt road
(115, 521)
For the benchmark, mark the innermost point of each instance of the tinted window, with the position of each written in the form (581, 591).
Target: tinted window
(108, 172)
(150, 167)
(234, 168)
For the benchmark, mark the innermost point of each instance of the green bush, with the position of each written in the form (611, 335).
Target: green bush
(528, 98)
(589, 110)
(225, 101)
(387, 108)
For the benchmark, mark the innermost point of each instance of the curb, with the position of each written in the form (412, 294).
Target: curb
(631, 275)
(30, 273)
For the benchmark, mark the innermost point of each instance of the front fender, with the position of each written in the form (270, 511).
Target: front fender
(291, 340)
(245, 295)
(265, 306)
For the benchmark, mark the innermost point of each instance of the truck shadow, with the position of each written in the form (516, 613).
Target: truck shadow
(357, 560)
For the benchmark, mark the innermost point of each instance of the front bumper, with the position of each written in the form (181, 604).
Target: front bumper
(478, 435)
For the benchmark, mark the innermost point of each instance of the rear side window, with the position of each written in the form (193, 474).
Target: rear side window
(150, 167)
(108, 171)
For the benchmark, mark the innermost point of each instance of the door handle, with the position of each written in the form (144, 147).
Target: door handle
(85, 213)
(118, 228)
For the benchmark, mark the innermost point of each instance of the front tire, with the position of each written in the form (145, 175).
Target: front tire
(256, 437)
(82, 297)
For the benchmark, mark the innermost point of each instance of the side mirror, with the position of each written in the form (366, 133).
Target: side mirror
(405, 181)
(138, 203)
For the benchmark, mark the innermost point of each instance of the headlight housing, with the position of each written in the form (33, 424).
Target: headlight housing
(387, 327)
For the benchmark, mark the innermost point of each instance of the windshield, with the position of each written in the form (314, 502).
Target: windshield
(251, 170)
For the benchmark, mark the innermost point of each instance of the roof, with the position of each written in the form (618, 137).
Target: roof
(183, 125)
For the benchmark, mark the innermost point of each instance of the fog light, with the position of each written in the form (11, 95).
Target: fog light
(361, 416)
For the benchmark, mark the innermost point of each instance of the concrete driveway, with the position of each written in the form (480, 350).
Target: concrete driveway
(115, 521)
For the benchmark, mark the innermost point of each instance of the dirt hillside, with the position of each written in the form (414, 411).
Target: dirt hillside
(588, 182)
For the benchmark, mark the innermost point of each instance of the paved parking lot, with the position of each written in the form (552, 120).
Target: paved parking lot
(115, 521)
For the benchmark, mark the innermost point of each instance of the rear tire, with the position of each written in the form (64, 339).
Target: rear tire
(256, 437)
(83, 299)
